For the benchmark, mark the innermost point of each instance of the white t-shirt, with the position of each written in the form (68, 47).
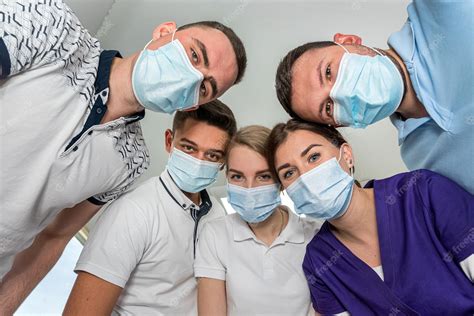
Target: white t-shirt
(54, 151)
(260, 280)
(144, 243)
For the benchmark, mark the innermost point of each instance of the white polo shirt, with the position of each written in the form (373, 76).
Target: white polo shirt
(260, 280)
(144, 243)
(54, 151)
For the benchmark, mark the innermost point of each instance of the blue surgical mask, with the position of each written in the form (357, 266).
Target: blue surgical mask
(164, 80)
(191, 174)
(323, 192)
(254, 205)
(367, 89)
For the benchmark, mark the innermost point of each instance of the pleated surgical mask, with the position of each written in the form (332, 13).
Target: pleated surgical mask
(164, 80)
(367, 89)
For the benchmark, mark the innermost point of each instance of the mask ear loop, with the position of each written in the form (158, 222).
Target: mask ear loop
(174, 32)
(351, 169)
(340, 45)
(376, 50)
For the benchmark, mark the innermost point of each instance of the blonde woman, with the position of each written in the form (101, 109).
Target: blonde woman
(250, 262)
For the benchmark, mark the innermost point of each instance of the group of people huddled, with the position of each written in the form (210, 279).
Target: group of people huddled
(72, 144)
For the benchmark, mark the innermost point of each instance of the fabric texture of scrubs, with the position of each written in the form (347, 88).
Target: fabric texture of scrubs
(144, 243)
(55, 153)
(437, 48)
(259, 280)
(426, 228)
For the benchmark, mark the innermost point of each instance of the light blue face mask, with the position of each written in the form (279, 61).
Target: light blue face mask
(254, 205)
(164, 80)
(323, 192)
(191, 174)
(367, 89)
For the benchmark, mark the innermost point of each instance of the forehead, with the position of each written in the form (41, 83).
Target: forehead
(222, 59)
(306, 92)
(206, 136)
(296, 142)
(246, 160)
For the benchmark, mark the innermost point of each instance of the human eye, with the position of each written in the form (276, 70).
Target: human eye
(265, 177)
(194, 56)
(328, 72)
(287, 174)
(235, 177)
(313, 157)
(203, 89)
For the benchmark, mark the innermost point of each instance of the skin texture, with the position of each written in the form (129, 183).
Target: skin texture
(94, 296)
(315, 73)
(221, 67)
(32, 264)
(248, 169)
(357, 228)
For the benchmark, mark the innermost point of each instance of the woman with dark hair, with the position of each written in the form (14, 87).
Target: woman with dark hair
(401, 245)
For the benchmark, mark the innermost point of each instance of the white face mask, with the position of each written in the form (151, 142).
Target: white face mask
(164, 80)
(324, 192)
(367, 89)
(191, 174)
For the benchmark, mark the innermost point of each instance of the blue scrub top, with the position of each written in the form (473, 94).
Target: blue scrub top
(426, 227)
(436, 44)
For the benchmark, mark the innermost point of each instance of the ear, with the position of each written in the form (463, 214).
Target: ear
(347, 39)
(347, 155)
(164, 29)
(168, 140)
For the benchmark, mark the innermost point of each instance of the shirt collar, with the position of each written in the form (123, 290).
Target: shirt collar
(293, 231)
(101, 84)
(406, 127)
(180, 198)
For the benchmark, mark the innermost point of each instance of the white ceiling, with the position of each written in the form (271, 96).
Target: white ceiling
(268, 29)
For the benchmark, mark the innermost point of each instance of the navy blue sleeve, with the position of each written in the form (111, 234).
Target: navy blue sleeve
(324, 300)
(5, 64)
(452, 209)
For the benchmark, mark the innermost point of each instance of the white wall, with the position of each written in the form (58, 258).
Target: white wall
(268, 29)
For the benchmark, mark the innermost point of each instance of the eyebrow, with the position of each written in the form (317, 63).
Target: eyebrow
(304, 152)
(188, 141)
(320, 76)
(202, 47)
(217, 151)
(211, 79)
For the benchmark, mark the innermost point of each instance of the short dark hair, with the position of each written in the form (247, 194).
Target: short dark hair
(214, 113)
(284, 73)
(235, 41)
(280, 132)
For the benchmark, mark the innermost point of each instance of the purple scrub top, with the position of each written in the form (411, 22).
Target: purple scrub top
(426, 227)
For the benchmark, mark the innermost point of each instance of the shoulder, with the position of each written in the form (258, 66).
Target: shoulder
(217, 210)
(220, 226)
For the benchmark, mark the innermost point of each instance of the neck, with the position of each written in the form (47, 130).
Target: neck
(410, 106)
(359, 223)
(122, 101)
(268, 230)
(194, 197)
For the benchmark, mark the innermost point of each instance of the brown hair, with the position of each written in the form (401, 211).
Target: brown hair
(280, 133)
(254, 137)
(284, 73)
(235, 41)
(214, 113)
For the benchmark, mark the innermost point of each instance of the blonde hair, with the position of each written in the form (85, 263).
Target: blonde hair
(254, 137)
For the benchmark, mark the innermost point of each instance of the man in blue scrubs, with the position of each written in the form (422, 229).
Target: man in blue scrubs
(424, 82)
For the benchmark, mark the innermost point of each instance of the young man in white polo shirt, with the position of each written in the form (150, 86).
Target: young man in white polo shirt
(69, 126)
(139, 257)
